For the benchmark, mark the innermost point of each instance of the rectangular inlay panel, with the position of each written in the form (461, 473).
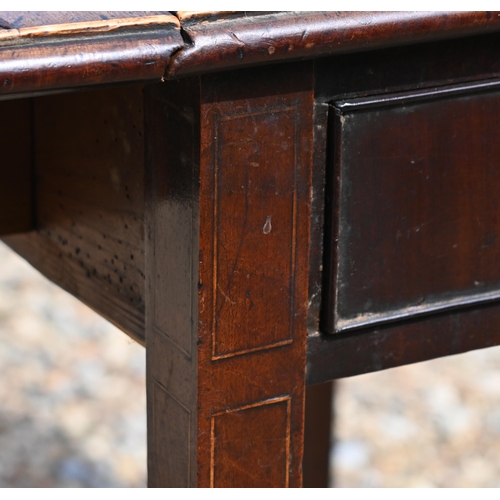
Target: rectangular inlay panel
(249, 297)
(243, 436)
(418, 214)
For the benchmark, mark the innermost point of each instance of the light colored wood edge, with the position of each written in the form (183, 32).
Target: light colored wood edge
(184, 15)
(87, 27)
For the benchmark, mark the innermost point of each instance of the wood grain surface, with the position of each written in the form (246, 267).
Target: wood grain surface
(90, 201)
(408, 68)
(387, 346)
(235, 368)
(417, 212)
(277, 104)
(79, 54)
(172, 257)
(239, 41)
(156, 45)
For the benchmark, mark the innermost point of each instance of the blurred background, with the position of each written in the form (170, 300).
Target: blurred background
(72, 389)
(73, 404)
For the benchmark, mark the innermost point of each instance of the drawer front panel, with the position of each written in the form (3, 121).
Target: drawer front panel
(416, 216)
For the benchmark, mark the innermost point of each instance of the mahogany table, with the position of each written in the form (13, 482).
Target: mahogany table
(265, 201)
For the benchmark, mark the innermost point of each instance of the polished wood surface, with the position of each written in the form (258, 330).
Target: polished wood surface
(293, 35)
(237, 209)
(396, 344)
(417, 204)
(236, 377)
(172, 226)
(408, 68)
(40, 51)
(79, 52)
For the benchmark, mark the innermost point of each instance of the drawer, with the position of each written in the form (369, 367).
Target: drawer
(414, 219)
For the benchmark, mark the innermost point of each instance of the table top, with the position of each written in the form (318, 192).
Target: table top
(43, 51)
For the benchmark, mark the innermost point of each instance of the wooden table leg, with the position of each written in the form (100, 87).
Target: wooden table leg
(228, 222)
(318, 429)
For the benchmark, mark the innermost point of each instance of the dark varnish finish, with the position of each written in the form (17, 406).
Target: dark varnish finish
(317, 215)
(224, 44)
(16, 179)
(227, 277)
(396, 344)
(69, 59)
(172, 110)
(319, 420)
(408, 68)
(47, 50)
(261, 122)
(416, 223)
(89, 157)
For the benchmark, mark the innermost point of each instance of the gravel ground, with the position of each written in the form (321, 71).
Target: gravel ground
(72, 404)
(432, 424)
(72, 389)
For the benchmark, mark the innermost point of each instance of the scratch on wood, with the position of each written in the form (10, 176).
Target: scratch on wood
(225, 296)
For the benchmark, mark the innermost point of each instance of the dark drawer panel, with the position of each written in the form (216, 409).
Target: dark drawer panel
(416, 216)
